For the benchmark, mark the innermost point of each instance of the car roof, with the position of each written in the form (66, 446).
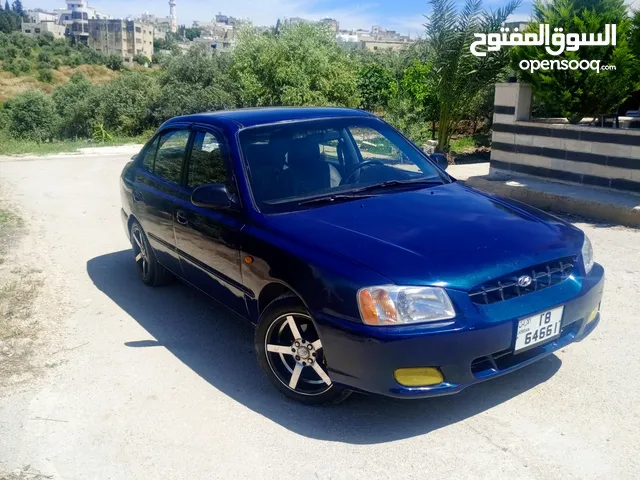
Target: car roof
(250, 117)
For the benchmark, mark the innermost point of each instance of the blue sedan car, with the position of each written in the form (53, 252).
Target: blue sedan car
(363, 265)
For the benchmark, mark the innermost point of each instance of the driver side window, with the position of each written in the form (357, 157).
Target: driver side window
(206, 162)
(375, 146)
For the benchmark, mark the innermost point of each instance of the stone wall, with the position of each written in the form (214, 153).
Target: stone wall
(603, 157)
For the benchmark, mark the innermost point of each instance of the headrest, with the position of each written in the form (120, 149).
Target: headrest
(302, 152)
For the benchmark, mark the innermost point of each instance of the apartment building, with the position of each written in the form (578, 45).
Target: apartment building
(126, 38)
(76, 18)
(37, 22)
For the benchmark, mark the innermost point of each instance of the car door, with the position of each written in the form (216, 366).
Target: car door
(155, 190)
(208, 239)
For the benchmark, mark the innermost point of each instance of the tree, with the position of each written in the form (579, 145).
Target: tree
(458, 74)
(141, 60)
(7, 8)
(374, 85)
(635, 33)
(578, 93)
(72, 102)
(9, 21)
(191, 33)
(193, 83)
(301, 64)
(414, 107)
(32, 116)
(17, 7)
(114, 62)
(125, 104)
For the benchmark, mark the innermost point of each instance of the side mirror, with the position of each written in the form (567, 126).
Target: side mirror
(215, 195)
(441, 160)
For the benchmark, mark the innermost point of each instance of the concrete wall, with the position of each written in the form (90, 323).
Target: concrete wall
(603, 157)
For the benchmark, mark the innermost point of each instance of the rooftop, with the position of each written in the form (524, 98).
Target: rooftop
(248, 117)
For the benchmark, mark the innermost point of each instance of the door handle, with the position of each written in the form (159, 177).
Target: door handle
(137, 196)
(180, 218)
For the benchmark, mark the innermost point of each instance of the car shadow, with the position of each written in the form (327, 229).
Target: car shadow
(218, 346)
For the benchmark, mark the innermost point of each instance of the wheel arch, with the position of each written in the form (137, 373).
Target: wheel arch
(275, 290)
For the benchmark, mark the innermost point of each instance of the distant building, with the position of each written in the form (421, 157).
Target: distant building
(126, 38)
(76, 19)
(332, 23)
(375, 39)
(519, 25)
(161, 25)
(36, 22)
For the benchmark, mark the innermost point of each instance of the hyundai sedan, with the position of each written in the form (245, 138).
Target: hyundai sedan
(363, 265)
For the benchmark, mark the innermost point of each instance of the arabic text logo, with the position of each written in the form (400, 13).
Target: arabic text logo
(570, 42)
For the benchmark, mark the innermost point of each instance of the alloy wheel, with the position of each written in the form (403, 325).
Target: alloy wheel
(295, 355)
(140, 251)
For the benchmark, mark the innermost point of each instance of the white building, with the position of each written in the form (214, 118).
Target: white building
(37, 22)
(76, 18)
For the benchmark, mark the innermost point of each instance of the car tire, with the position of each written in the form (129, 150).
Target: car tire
(150, 271)
(293, 358)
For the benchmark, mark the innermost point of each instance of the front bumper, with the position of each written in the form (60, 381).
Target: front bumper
(478, 347)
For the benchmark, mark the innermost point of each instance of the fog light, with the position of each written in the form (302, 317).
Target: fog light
(418, 377)
(593, 315)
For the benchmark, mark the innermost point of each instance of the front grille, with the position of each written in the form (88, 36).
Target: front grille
(542, 276)
(488, 365)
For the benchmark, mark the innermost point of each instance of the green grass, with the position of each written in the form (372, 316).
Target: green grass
(14, 146)
(469, 143)
(8, 219)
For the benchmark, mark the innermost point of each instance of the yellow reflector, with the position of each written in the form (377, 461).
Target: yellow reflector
(593, 315)
(418, 377)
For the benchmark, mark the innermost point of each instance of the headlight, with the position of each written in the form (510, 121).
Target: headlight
(587, 254)
(392, 305)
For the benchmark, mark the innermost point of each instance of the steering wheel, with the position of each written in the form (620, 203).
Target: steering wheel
(359, 167)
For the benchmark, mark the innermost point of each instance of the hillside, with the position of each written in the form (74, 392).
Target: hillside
(12, 85)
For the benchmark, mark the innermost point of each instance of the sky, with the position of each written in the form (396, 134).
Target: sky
(404, 16)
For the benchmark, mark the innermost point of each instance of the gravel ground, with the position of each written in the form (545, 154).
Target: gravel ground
(132, 382)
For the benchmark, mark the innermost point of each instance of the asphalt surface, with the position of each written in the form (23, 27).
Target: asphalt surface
(159, 383)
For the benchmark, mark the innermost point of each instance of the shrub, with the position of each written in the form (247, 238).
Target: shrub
(45, 75)
(72, 103)
(32, 116)
(114, 62)
(124, 105)
(17, 66)
(298, 65)
(141, 60)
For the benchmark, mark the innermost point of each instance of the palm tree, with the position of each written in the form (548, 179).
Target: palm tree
(459, 75)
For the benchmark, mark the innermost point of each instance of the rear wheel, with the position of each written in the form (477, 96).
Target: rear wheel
(291, 354)
(150, 271)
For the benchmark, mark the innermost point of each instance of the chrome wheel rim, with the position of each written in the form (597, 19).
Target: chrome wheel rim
(295, 354)
(140, 251)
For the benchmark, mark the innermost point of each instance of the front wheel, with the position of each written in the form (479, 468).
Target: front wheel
(291, 354)
(150, 271)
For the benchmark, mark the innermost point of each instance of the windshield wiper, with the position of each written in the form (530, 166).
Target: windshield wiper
(333, 199)
(393, 183)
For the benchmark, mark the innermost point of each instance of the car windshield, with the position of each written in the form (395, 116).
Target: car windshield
(289, 164)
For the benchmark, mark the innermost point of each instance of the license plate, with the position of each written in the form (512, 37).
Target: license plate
(539, 328)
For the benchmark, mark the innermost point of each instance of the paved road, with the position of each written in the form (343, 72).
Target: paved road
(158, 383)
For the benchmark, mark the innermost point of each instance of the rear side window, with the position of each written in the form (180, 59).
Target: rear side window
(206, 164)
(149, 156)
(171, 150)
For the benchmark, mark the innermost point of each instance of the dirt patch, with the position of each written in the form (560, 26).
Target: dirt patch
(25, 473)
(12, 85)
(20, 286)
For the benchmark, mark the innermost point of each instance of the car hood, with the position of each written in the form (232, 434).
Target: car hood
(450, 235)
